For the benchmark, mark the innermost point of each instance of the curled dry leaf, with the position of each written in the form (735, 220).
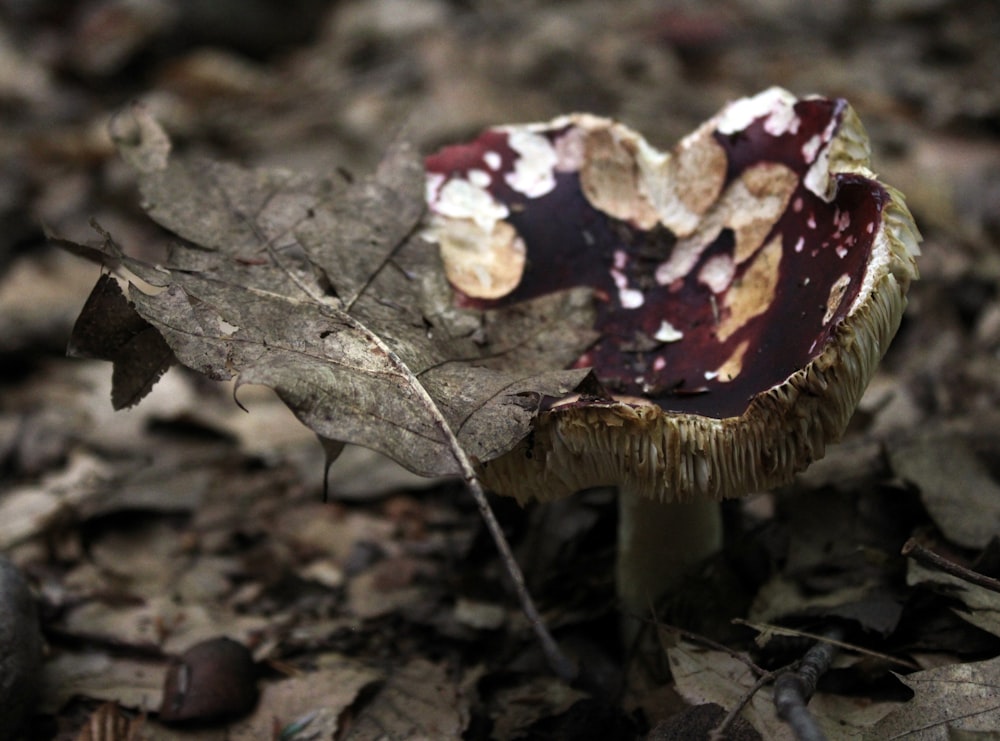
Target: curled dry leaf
(326, 292)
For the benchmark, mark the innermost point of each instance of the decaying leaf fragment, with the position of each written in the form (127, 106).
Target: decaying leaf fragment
(325, 292)
(109, 328)
(947, 700)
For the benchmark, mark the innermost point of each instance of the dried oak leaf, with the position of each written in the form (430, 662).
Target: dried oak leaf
(326, 292)
(947, 701)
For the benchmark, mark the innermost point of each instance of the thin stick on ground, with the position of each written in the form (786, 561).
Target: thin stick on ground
(720, 731)
(925, 556)
(794, 689)
(779, 630)
(560, 663)
(563, 667)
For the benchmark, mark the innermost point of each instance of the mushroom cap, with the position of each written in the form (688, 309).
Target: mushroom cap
(747, 283)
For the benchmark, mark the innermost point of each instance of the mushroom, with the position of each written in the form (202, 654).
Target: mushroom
(746, 283)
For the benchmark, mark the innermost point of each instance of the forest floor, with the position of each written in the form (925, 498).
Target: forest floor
(385, 612)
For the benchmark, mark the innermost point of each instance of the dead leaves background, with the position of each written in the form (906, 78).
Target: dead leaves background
(184, 518)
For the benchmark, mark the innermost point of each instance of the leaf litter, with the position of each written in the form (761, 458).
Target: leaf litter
(929, 112)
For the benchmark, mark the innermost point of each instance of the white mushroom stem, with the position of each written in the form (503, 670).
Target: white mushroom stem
(657, 542)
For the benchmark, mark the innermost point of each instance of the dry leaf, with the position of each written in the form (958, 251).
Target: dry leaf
(713, 676)
(960, 697)
(312, 703)
(130, 683)
(324, 292)
(419, 700)
(982, 605)
(515, 709)
(955, 486)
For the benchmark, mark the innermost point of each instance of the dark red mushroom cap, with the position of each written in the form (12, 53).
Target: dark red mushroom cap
(747, 284)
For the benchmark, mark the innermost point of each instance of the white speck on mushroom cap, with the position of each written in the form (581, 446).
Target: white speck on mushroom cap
(777, 105)
(842, 220)
(493, 160)
(629, 298)
(534, 169)
(666, 333)
(480, 178)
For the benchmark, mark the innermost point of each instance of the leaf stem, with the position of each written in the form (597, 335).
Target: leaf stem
(561, 664)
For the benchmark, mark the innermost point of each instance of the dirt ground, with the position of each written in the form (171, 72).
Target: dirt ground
(385, 612)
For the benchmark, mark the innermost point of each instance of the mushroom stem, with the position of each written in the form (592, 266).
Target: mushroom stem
(657, 542)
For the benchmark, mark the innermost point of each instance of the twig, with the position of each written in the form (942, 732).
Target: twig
(558, 661)
(561, 664)
(927, 557)
(719, 732)
(793, 689)
(563, 667)
(853, 647)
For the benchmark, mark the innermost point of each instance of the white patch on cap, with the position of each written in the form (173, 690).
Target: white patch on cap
(460, 199)
(480, 178)
(659, 363)
(811, 147)
(666, 333)
(800, 244)
(629, 298)
(842, 220)
(717, 273)
(534, 169)
(493, 160)
(818, 176)
(777, 105)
